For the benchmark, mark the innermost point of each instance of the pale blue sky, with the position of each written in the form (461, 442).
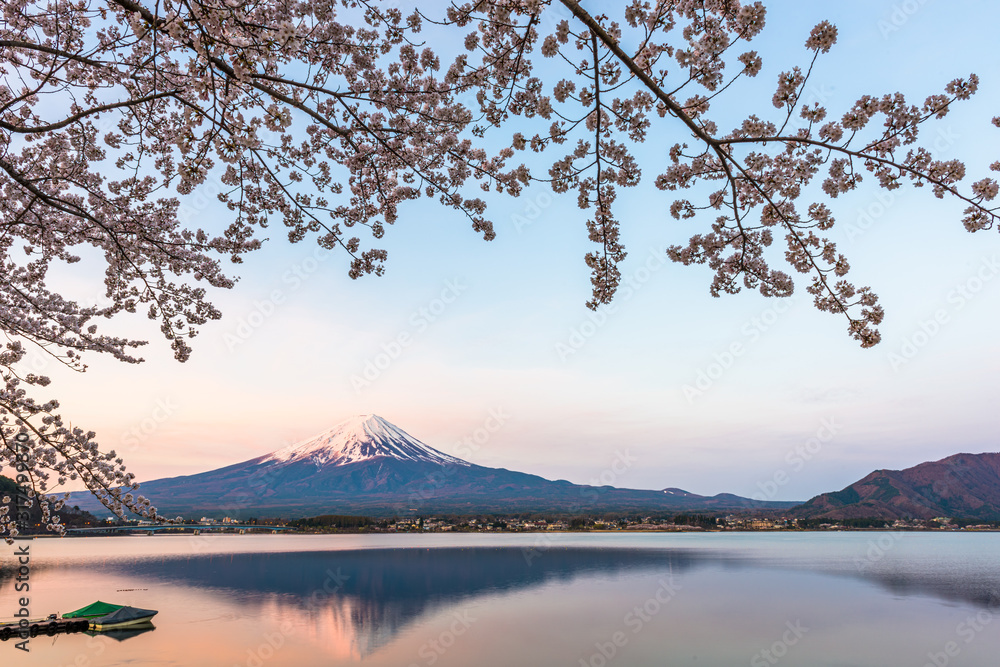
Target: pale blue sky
(514, 301)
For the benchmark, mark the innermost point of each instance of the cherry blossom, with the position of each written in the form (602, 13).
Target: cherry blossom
(327, 116)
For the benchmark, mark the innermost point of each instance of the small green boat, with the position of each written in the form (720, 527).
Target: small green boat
(104, 616)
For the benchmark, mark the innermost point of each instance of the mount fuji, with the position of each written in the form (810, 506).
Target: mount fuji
(366, 465)
(361, 438)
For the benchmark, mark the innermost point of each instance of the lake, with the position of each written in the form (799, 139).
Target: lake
(630, 599)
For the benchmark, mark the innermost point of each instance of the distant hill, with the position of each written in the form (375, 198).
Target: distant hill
(368, 466)
(963, 485)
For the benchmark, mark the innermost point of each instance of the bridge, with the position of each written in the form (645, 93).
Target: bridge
(195, 528)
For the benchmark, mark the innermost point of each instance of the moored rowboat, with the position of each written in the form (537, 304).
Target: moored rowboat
(104, 616)
(126, 617)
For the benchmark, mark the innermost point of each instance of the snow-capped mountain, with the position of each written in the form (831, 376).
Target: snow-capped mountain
(360, 438)
(366, 465)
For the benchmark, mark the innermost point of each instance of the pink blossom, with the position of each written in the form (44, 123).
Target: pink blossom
(328, 120)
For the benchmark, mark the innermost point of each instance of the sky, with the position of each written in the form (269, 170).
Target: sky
(491, 344)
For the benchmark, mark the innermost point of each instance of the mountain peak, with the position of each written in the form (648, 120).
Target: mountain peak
(962, 485)
(360, 438)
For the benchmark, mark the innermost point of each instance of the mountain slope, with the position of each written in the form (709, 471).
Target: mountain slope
(963, 485)
(367, 465)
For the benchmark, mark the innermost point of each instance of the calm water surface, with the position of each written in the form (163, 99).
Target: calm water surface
(578, 600)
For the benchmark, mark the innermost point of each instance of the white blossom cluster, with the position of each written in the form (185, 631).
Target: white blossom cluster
(620, 74)
(326, 116)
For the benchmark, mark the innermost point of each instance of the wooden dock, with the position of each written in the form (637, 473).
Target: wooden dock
(43, 626)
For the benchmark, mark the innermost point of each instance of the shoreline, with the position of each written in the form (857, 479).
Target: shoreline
(188, 533)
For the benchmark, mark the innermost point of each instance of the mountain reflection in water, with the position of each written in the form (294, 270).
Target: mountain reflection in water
(361, 599)
(869, 599)
(370, 595)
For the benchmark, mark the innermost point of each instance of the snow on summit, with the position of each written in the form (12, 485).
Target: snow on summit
(360, 438)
